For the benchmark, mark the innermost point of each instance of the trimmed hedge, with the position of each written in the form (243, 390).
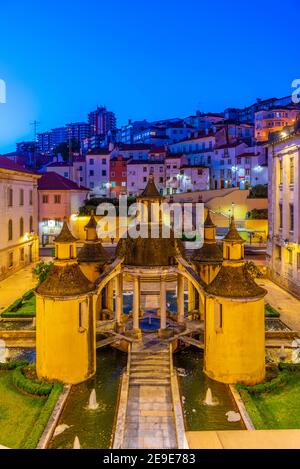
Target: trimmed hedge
(271, 312)
(39, 426)
(20, 314)
(292, 367)
(11, 365)
(28, 295)
(25, 384)
(15, 305)
(269, 386)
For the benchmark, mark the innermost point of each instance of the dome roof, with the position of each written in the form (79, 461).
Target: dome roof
(93, 252)
(150, 252)
(65, 280)
(235, 282)
(209, 253)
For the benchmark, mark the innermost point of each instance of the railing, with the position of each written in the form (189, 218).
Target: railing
(171, 358)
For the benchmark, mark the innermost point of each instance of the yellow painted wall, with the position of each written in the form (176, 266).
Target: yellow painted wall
(65, 352)
(90, 270)
(77, 225)
(235, 353)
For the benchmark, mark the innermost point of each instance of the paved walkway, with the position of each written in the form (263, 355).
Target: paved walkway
(244, 439)
(15, 286)
(284, 302)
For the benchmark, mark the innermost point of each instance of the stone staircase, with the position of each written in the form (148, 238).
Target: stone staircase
(150, 415)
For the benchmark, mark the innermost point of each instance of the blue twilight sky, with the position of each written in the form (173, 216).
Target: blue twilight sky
(158, 59)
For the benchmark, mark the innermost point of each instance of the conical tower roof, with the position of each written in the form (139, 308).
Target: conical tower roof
(92, 223)
(208, 221)
(150, 190)
(65, 236)
(233, 234)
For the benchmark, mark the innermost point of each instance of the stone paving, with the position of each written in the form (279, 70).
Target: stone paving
(15, 286)
(284, 302)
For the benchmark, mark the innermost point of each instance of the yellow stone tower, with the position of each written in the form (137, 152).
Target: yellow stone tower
(65, 318)
(208, 259)
(234, 319)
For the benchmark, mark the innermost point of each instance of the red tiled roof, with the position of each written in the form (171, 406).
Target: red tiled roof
(55, 182)
(5, 163)
(99, 151)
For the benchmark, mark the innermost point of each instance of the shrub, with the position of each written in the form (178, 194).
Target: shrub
(292, 367)
(15, 306)
(42, 270)
(268, 386)
(258, 214)
(253, 269)
(18, 314)
(259, 191)
(40, 424)
(24, 384)
(12, 364)
(271, 312)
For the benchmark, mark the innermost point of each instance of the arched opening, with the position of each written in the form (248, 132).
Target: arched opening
(10, 230)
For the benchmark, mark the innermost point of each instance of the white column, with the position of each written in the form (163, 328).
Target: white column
(136, 303)
(110, 296)
(180, 298)
(119, 298)
(163, 304)
(191, 296)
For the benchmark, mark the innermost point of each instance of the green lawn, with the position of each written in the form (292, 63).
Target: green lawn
(275, 410)
(18, 412)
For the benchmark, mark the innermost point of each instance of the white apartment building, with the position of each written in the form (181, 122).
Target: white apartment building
(138, 173)
(97, 172)
(173, 163)
(193, 178)
(283, 248)
(18, 221)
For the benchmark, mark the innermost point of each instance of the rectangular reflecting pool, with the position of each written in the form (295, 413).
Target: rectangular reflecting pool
(93, 428)
(194, 385)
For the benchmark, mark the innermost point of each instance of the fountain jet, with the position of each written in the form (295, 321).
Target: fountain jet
(93, 405)
(209, 400)
(76, 444)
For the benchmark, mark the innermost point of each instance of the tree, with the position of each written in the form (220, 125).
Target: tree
(64, 150)
(42, 270)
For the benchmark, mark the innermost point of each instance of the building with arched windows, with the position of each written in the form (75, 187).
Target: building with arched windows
(18, 223)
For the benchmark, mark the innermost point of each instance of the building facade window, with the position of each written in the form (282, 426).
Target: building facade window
(10, 260)
(290, 256)
(291, 217)
(280, 216)
(292, 171)
(298, 260)
(31, 224)
(57, 199)
(30, 197)
(91, 161)
(21, 197)
(10, 198)
(91, 172)
(45, 199)
(218, 317)
(10, 230)
(280, 172)
(21, 254)
(21, 226)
